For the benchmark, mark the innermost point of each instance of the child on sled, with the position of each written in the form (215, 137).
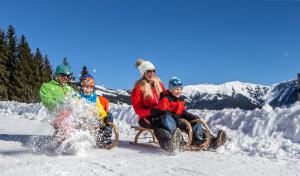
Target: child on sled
(171, 108)
(87, 93)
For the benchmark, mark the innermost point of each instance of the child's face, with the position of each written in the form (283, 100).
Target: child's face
(176, 91)
(87, 90)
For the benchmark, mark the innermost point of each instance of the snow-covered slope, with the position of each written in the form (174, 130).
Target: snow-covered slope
(260, 142)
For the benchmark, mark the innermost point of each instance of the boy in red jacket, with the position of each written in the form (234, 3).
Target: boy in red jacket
(172, 107)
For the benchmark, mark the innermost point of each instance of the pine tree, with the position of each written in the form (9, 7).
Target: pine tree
(72, 77)
(84, 72)
(4, 72)
(38, 74)
(12, 59)
(47, 70)
(21, 72)
(66, 62)
(24, 75)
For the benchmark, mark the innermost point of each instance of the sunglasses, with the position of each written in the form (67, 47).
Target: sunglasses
(63, 75)
(150, 71)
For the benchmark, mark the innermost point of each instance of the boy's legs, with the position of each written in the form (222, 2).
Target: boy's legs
(108, 129)
(198, 134)
(169, 123)
(105, 132)
(172, 134)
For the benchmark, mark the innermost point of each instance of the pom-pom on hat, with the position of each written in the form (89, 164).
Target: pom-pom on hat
(143, 66)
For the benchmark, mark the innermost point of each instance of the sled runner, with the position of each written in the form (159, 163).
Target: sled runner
(145, 136)
(205, 144)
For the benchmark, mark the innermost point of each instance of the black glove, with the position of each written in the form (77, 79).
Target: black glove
(188, 116)
(155, 113)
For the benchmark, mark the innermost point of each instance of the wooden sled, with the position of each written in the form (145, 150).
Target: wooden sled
(205, 144)
(187, 135)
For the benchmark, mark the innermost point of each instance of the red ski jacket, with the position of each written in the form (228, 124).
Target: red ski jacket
(170, 103)
(143, 107)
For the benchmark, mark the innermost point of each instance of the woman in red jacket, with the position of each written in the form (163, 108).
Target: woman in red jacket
(145, 95)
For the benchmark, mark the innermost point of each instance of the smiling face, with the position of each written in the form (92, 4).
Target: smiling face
(62, 78)
(87, 90)
(150, 75)
(177, 91)
(87, 85)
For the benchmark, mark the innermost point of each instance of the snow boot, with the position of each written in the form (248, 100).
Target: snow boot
(164, 137)
(103, 137)
(219, 140)
(175, 142)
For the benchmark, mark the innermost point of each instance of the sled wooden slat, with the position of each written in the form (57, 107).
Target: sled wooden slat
(188, 131)
(154, 140)
(207, 132)
(140, 131)
(116, 137)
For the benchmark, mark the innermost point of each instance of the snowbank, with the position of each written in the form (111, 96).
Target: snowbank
(261, 132)
(34, 111)
(264, 132)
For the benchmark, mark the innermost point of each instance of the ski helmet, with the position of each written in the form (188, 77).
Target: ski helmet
(62, 69)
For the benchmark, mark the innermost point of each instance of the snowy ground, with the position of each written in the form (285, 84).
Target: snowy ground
(261, 142)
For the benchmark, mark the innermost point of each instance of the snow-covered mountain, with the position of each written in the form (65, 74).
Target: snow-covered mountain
(114, 95)
(228, 95)
(283, 94)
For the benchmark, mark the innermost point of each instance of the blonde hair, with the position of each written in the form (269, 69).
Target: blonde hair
(145, 86)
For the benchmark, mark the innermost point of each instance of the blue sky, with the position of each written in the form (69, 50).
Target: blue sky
(198, 41)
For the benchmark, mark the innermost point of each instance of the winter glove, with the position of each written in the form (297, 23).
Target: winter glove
(188, 116)
(147, 121)
(108, 118)
(155, 113)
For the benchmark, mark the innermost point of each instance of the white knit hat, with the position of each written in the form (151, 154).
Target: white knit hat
(143, 66)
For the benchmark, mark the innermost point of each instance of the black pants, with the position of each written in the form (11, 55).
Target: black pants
(161, 134)
(153, 122)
